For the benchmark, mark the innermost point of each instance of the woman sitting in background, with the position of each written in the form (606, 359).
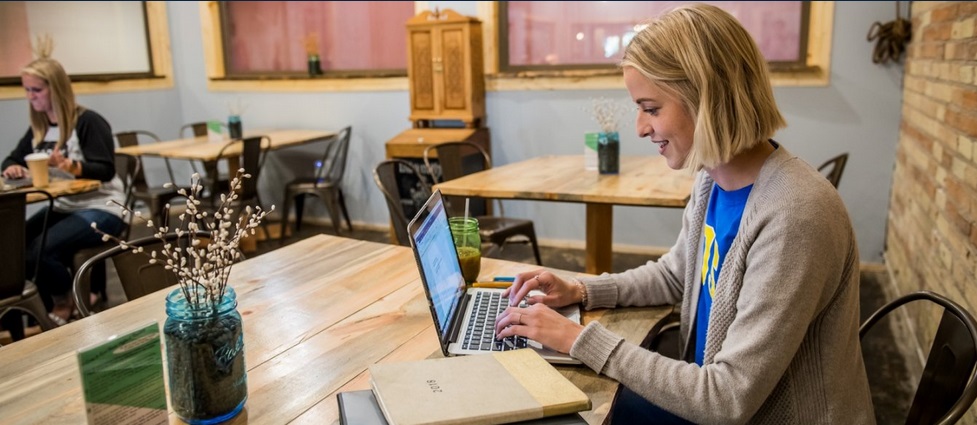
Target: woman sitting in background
(79, 142)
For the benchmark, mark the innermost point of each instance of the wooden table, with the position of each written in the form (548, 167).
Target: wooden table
(58, 188)
(209, 152)
(643, 181)
(411, 143)
(202, 149)
(317, 314)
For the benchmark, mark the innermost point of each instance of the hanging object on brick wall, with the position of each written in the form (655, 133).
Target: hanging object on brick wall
(890, 38)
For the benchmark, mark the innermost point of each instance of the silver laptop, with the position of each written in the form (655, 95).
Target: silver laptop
(11, 184)
(463, 317)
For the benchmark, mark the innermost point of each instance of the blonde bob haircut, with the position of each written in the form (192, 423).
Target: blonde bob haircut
(701, 55)
(62, 100)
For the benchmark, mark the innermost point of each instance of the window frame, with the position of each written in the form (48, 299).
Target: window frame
(815, 72)
(292, 75)
(159, 77)
(218, 78)
(506, 68)
(819, 34)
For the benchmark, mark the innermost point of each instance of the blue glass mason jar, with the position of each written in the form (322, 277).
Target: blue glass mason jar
(608, 153)
(234, 126)
(205, 358)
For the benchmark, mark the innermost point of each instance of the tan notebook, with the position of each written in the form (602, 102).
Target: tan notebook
(493, 388)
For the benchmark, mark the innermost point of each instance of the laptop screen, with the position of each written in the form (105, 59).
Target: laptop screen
(434, 249)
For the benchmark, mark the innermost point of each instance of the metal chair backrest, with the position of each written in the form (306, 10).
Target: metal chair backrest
(13, 258)
(199, 129)
(334, 159)
(127, 167)
(131, 138)
(948, 386)
(835, 167)
(12, 255)
(137, 276)
(253, 152)
(402, 201)
(458, 159)
(15, 293)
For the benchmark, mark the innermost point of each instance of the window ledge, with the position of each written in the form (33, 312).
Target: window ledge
(612, 79)
(310, 84)
(95, 87)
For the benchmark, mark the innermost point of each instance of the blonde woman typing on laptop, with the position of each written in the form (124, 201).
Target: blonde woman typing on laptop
(765, 267)
(79, 142)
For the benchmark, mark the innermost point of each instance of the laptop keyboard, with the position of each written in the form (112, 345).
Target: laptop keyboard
(480, 334)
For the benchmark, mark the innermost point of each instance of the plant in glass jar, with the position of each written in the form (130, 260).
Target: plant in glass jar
(607, 144)
(203, 333)
(312, 52)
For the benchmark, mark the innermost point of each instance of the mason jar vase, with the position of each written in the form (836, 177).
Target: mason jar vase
(205, 357)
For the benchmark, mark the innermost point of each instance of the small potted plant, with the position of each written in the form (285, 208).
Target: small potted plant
(203, 332)
(606, 143)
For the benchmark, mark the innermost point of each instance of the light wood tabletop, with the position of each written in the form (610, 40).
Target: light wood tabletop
(62, 187)
(317, 314)
(202, 149)
(642, 181)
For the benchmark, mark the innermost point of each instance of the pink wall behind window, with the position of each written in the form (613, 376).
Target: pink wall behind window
(15, 40)
(583, 32)
(271, 36)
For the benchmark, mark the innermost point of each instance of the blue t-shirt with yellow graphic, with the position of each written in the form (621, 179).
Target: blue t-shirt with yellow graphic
(722, 222)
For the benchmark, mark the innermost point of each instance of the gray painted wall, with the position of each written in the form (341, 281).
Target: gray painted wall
(858, 112)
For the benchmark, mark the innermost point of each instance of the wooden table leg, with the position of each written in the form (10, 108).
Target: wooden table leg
(600, 226)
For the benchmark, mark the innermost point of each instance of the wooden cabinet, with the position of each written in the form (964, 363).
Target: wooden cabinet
(444, 68)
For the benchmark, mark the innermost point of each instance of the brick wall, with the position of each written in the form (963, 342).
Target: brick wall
(931, 238)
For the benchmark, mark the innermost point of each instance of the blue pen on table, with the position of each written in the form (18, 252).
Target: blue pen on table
(504, 279)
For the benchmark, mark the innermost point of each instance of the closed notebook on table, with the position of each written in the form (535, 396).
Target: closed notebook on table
(360, 408)
(503, 387)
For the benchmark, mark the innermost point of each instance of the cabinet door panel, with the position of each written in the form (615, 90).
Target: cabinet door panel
(422, 72)
(453, 56)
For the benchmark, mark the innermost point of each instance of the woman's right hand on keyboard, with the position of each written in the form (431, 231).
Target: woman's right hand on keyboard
(539, 323)
(558, 292)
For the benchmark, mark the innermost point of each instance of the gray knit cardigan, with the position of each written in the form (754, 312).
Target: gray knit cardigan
(782, 345)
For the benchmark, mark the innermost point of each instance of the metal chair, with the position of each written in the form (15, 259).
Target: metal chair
(253, 152)
(497, 229)
(325, 185)
(663, 338)
(16, 292)
(155, 198)
(210, 174)
(833, 168)
(198, 128)
(127, 168)
(948, 386)
(137, 276)
(404, 197)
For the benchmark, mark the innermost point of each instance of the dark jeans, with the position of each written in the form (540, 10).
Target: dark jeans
(67, 234)
(631, 408)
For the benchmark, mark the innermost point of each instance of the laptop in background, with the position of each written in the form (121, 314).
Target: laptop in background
(11, 184)
(454, 306)
(54, 173)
